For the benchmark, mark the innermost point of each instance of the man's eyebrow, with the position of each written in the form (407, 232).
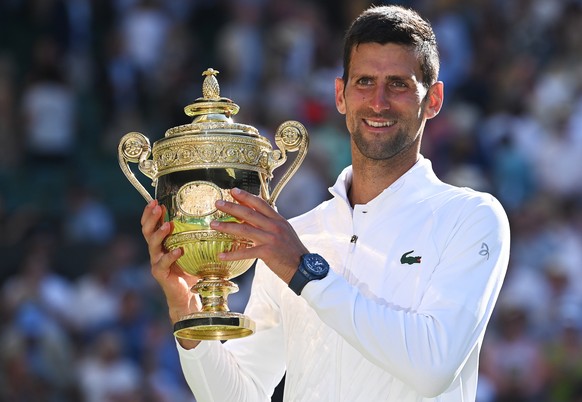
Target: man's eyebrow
(383, 78)
(399, 77)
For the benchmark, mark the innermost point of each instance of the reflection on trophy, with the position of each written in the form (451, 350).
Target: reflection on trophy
(191, 168)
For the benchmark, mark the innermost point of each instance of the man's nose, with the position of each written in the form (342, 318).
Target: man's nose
(380, 99)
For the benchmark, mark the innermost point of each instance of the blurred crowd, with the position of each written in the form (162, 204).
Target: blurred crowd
(80, 317)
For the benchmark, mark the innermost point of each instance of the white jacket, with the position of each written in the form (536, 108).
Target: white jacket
(400, 317)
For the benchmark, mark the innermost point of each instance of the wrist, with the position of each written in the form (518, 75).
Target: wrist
(287, 276)
(177, 315)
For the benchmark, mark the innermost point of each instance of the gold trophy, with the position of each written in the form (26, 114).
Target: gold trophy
(192, 167)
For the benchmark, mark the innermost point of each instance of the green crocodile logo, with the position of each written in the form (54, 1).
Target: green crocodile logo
(406, 259)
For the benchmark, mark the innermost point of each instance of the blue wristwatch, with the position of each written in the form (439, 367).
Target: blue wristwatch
(312, 267)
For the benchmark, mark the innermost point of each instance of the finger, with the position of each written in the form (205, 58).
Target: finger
(162, 267)
(249, 253)
(151, 219)
(148, 210)
(255, 202)
(156, 239)
(242, 230)
(243, 213)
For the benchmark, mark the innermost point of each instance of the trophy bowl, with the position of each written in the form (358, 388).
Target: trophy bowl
(192, 167)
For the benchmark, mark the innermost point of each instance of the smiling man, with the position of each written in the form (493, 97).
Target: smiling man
(381, 293)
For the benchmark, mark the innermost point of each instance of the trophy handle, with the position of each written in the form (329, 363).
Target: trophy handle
(291, 136)
(135, 147)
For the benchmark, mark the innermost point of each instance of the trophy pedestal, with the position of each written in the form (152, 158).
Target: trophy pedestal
(214, 321)
(214, 326)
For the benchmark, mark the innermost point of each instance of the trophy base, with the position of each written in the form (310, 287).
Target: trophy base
(218, 326)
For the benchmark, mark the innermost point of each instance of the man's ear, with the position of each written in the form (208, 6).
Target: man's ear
(340, 100)
(434, 100)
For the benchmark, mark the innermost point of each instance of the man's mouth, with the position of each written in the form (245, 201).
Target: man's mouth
(379, 124)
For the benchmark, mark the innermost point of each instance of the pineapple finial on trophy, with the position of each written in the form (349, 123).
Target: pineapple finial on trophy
(210, 87)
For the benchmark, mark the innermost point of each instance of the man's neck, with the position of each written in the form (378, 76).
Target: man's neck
(371, 178)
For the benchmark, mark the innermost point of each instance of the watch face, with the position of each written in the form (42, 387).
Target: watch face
(316, 264)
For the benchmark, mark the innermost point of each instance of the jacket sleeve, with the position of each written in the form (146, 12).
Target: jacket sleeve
(427, 347)
(245, 369)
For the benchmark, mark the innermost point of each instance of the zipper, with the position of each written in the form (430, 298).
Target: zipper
(347, 274)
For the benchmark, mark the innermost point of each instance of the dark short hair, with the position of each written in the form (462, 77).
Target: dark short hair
(395, 24)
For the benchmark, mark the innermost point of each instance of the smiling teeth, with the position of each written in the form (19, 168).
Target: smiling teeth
(379, 124)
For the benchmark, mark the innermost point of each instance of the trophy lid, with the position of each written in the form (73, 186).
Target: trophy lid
(212, 112)
(214, 141)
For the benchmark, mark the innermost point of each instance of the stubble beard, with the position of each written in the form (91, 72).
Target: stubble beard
(383, 148)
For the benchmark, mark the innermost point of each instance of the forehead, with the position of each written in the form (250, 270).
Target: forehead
(388, 59)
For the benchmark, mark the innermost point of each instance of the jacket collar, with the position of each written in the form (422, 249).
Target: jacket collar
(415, 176)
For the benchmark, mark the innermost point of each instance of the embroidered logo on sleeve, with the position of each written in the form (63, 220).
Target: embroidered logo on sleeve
(409, 259)
(484, 250)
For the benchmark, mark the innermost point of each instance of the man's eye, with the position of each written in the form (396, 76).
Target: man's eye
(398, 84)
(365, 81)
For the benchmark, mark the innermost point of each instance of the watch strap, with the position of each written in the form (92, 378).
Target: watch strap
(298, 281)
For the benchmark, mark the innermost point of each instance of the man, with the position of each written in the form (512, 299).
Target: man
(395, 304)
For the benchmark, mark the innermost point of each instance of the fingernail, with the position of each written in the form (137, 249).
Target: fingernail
(214, 224)
(177, 252)
(157, 209)
(165, 226)
(219, 203)
(236, 190)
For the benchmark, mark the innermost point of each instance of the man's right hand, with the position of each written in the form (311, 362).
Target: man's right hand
(175, 283)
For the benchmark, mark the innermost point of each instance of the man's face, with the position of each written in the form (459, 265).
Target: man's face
(385, 103)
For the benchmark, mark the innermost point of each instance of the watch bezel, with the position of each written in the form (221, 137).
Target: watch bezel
(315, 265)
